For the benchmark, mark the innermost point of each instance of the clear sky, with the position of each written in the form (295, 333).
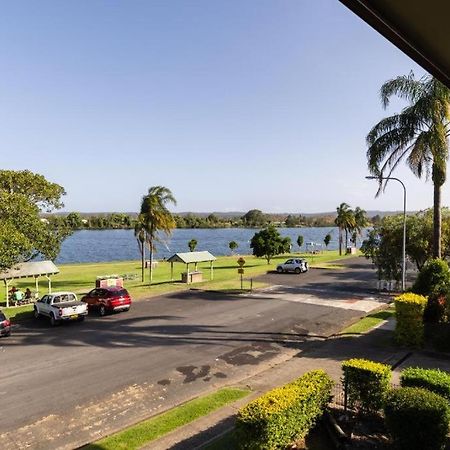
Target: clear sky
(233, 105)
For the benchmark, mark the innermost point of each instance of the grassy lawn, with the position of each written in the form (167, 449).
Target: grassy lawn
(149, 430)
(80, 278)
(370, 321)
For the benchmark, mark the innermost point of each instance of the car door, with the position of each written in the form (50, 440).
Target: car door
(289, 265)
(92, 298)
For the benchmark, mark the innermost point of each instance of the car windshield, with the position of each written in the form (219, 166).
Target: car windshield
(2, 317)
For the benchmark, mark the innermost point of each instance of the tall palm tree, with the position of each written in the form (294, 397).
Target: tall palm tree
(140, 235)
(419, 134)
(345, 221)
(156, 217)
(360, 221)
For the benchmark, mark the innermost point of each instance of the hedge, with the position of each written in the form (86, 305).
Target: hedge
(284, 414)
(409, 329)
(434, 380)
(366, 383)
(416, 418)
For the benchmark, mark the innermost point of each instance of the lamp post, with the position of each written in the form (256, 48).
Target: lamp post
(404, 224)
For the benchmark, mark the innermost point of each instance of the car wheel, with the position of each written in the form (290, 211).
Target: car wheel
(53, 321)
(36, 314)
(102, 310)
(297, 270)
(81, 319)
(279, 269)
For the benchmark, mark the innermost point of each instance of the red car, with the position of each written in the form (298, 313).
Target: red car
(5, 325)
(108, 300)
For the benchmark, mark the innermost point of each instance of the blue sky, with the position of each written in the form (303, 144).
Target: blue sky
(233, 105)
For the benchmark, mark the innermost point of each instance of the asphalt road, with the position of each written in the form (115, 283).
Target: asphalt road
(176, 344)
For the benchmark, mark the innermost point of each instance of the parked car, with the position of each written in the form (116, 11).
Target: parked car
(108, 300)
(293, 265)
(59, 307)
(5, 325)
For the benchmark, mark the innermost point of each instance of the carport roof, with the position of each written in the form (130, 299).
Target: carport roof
(30, 269)
(191, 257)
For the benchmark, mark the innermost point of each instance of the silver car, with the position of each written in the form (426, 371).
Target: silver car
(299, 265)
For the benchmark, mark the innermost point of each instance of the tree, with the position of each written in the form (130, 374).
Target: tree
(140, 235)
(233, 245)
(157, 219)
(419, 134)
(254, 218)
(192, 244)
(74, 220)
(300, 241)
(327, 239)
(345, 221)
(24, 234)
(268, 243)
(292, 221)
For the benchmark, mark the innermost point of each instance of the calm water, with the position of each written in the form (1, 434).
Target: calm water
(120, 245)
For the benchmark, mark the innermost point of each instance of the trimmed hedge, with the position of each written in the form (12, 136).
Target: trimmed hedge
(284, 414)
(433, 380)
(409, 329)
(416, 418)
(366, 383)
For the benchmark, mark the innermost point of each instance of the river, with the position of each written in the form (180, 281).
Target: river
(121, 245)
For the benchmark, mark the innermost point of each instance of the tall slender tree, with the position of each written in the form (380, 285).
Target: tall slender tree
(345, 221)
(156, 217)
(140, 235)
(418, 134)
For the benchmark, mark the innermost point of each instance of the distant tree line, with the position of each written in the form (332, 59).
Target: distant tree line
(252, 219)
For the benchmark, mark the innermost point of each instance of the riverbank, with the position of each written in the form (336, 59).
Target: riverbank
(80, 278)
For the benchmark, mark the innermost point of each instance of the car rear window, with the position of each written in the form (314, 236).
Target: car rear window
(118, 293)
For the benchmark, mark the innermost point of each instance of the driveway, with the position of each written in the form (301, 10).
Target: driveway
(72, 384)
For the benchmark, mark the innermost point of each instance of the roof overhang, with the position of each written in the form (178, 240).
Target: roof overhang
(191, 257)
(420, 29)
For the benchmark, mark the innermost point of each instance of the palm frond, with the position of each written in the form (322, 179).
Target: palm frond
(405, 87)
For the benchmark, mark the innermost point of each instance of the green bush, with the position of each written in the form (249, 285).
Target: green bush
(409, 329)
(433, 282)
(434, 380)
(366, 384)
(416, 418)
(284, 414)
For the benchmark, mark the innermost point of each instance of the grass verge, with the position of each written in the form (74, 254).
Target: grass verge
(369, 322)
(151, 429)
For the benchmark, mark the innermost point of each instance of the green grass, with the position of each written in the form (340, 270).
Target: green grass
(80, 278)
(369, 322)
(151, 429)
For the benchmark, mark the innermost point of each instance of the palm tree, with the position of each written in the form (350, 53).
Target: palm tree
(345, 221)
(360, 221)
(156, 217)
(419, 134)
(140, 235)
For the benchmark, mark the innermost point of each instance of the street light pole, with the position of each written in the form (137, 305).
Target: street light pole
(404, 224)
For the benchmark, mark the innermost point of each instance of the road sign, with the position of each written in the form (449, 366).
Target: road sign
(241, 270)
(241, 261)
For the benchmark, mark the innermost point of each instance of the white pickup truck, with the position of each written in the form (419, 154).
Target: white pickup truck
(60, 306)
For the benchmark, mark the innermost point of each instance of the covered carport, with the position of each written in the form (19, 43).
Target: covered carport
(192, 258)
(34, 269)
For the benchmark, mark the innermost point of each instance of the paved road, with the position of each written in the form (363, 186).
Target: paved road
(84, 379)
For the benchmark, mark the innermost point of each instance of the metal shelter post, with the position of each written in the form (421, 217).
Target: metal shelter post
(171, 270)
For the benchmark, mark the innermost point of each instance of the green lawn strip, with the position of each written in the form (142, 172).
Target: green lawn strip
(151, 429)
(80, 278)
(369, 322)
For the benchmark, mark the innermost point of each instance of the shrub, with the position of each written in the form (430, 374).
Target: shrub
(366, 383)
(433, 281)
(416, 418)
(409, 310)
(284, 414)
(434, 380)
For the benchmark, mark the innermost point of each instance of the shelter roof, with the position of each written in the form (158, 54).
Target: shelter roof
(191, 257)
(30, 269)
